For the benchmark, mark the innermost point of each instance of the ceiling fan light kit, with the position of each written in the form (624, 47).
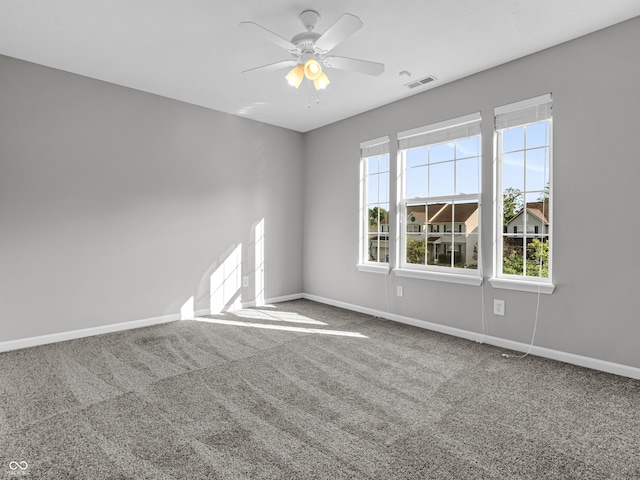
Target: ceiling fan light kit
(295, 76)
(312, 69)
(321, 82)
(309, 50)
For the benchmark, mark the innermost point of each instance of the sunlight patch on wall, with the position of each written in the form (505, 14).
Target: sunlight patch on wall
(226, 283)
(187, 311)
(258, 271)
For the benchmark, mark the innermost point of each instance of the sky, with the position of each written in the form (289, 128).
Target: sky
(454, 168)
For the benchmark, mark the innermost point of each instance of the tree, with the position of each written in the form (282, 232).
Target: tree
(512, 204)
(537, 260)
(377, 214)
(544, 196)
(512, 263)
(416, 250)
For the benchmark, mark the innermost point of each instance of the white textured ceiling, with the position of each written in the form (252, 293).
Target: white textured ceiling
(194, 50)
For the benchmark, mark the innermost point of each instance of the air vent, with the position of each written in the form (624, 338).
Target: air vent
(422, 81)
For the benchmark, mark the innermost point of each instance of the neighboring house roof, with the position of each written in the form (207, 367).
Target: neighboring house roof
(419, 213)
(419, 217)
(539, 210)
(461, 212)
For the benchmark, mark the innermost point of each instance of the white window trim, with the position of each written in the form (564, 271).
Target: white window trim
(513, 282)
(522, 285)
(370, 148)
(433, 272)
(451, 277)
(383, 268)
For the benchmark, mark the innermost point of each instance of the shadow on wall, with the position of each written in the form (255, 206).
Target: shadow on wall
(235, 282)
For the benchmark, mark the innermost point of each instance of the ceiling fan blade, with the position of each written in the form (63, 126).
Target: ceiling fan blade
(354, 65)
(273, 66)
(346, 25)
(269, 35)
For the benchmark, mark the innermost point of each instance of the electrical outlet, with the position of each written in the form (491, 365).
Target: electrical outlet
(245, 282)
(400, 291)
(498, 307)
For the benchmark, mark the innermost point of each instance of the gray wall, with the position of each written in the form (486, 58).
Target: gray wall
(595, 82)
(116, 205)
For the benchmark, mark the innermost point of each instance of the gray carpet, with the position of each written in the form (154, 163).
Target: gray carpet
(198, 400)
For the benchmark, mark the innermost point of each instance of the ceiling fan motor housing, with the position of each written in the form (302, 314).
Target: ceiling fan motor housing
(309, 19)
(305, 41)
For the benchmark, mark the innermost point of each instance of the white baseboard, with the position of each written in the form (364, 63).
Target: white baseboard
(579, 360)
(582, 361)
(284, 298)
(85, 332)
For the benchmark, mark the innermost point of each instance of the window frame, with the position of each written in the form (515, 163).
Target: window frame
(523, 113)
(449, 131)
(368, 150)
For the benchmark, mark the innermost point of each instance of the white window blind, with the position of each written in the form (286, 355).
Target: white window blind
(527, 111)
(446, 131)
(375, 147)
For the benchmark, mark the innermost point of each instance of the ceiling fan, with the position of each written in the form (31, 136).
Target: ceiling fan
(310, 50)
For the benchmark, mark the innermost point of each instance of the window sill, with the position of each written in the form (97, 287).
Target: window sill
(522, 285)
(383, 269)
(440, 277)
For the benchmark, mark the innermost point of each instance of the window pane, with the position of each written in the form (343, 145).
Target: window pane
(372, 189)
(384, 217)
(468, 147)
(417, 156)
(513, 139)
(537, 213)
(384, 163)
(384, 187)
(468, 176)
(513, 170)
(465, 217)
(459, 254)
(415, 236)
(374, 248)
(469, 250)
(433, 240)
(444, 250)
(537, 168)
(512, 255)
(512, 203)
(415, 218)
(441, 153)
(537, 257)
(416, 182)
(378, 217)
(538, 134)
(441, 179)
(372, 165)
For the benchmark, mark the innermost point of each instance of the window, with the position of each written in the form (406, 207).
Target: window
(440, 194)
(374, 205)
(523, 190)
